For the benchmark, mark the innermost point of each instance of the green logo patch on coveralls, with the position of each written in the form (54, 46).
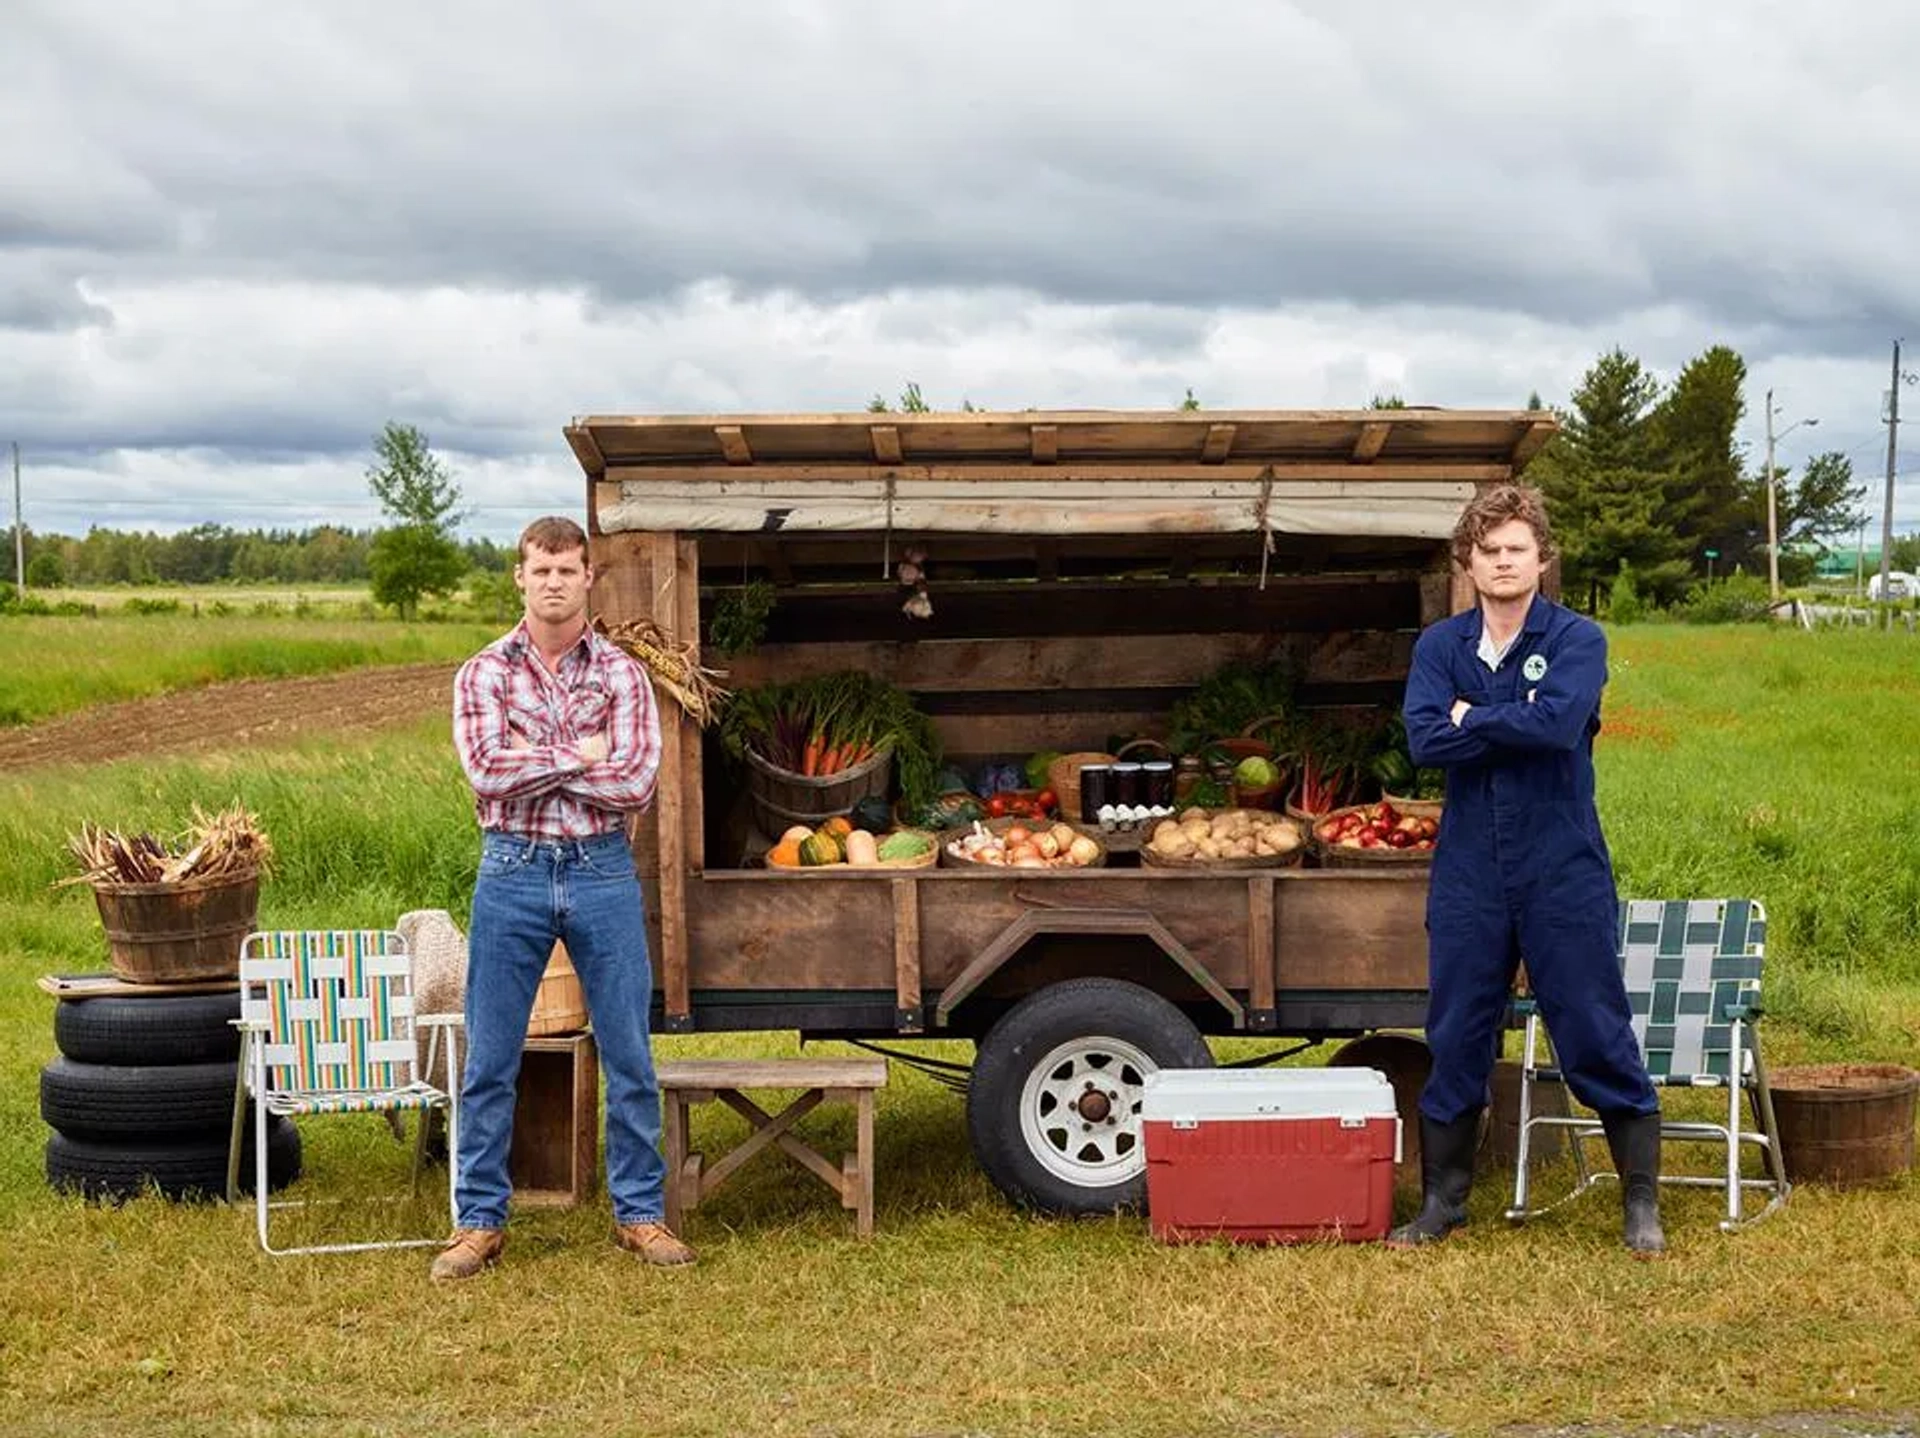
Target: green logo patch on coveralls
(1535, 669)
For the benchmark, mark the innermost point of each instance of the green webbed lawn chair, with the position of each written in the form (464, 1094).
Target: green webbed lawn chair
(1692, 970)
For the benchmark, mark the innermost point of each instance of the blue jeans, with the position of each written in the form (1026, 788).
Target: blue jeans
(585, 893)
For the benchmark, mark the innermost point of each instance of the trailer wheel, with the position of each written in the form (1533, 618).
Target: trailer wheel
(1054, 1105)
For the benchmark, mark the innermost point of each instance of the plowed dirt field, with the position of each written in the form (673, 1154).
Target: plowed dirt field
(246, 712)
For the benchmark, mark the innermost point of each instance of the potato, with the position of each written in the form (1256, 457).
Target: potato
(1188, 815)
(1063, 836)
(1165, 826)
(1196, 829)
(1082, 851)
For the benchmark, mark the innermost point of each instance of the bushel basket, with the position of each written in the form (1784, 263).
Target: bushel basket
(781, 798)
(180, 932)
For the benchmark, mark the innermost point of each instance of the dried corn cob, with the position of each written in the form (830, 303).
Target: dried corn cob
(224, 845)
(674, 667)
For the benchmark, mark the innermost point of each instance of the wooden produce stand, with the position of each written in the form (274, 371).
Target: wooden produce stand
(1085, 570)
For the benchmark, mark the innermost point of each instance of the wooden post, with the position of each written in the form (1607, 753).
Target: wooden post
(669, 799)
(1260, 975)
(908, 1013)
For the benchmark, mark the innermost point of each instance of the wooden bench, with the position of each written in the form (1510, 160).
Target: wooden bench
(686, 1082)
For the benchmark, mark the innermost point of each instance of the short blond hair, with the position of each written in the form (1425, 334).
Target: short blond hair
(1489, 510)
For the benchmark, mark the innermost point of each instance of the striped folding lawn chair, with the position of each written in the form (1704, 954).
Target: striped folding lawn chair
(327, 1027)
(1692, 970)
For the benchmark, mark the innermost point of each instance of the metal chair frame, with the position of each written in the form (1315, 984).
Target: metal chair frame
(1692, 969)
(327, 1026)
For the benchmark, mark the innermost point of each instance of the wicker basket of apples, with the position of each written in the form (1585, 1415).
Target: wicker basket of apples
(1367, 834)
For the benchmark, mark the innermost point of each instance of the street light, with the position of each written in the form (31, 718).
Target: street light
(1773, 513)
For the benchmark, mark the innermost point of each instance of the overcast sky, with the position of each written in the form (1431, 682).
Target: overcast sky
(237, 238)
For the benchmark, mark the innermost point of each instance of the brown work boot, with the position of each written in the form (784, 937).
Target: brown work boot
(654, 1242)
(467, 1252)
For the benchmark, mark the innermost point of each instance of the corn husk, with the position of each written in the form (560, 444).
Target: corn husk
(673, 667)
(229, 844)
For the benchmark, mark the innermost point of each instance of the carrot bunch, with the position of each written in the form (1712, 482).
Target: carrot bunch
(830, 723)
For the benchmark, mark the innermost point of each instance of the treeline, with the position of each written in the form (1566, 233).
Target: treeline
(216, 554)
(1648, 481)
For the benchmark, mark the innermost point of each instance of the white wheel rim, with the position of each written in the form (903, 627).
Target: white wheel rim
(1080, 1111)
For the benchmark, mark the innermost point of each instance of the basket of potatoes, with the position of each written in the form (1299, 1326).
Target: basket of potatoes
(1224, 839)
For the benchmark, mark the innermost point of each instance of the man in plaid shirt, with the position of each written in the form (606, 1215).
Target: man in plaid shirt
(557, 731)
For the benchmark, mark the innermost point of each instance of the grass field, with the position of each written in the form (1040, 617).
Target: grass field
(51, 665)
(1734, 761)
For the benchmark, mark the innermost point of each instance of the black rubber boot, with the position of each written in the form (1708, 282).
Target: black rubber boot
(1635, 1141)
(1446, 1178)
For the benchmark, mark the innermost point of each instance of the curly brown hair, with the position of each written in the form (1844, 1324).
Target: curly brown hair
(555, 534)
(1492, 508)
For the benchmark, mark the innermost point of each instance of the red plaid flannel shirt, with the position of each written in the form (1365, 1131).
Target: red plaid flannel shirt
(518, 726)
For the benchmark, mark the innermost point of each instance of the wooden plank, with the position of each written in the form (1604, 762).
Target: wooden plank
(592, 462)
(1314, 604)
(1332, 470)
(622, 576)
(733, 443)
(1531, 442)
(1260, 972)
(1351, 930)
(1043, 443)
(886, 444)
(1125, 661)
(906, 953)
(860, 1073)
(670, 802)
(1436, 595)
(1219, 443)
(1461, 595)
(1373, 438)
(685, 623)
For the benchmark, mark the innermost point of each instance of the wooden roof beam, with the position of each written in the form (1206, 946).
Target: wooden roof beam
(733, 443)
(1045, 445)
(1373, 439)
(886, 443)
(580, 438)
(1530, 443)
(1219, 444)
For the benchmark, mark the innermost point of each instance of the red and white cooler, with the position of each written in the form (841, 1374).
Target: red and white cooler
(1270, 1155)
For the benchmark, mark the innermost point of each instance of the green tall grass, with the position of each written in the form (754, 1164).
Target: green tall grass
(50, 665)
(1734, 762)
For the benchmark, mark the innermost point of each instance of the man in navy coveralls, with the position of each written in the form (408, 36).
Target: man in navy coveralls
(1506, 698)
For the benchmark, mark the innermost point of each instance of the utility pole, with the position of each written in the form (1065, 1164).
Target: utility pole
(1773, 515)
(1893, 442)
(19, 530)
(1773, 510)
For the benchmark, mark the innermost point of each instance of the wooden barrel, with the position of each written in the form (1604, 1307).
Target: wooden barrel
(781, 798)
(560, 1003)
(1845, 1123)
(180, 932)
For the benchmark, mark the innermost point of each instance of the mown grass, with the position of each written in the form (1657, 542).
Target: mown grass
(1722, 772)
(50, 665)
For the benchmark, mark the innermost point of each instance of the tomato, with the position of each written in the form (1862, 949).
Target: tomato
(998, 806)
(1048, 801)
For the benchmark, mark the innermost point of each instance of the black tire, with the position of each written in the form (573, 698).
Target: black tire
(188, 1029)
(136, 1101)
(1094, 1037)
(189, 1168)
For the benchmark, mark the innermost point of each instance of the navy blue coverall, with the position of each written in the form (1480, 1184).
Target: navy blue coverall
(1520, 869)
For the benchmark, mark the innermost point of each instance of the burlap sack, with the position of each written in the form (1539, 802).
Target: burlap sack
(439, 952)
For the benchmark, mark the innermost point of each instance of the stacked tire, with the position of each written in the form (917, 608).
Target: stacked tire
(142, 1097)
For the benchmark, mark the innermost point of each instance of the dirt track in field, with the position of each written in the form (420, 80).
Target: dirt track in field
(245, 712)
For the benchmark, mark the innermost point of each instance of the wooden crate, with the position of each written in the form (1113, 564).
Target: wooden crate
(556, 1122)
